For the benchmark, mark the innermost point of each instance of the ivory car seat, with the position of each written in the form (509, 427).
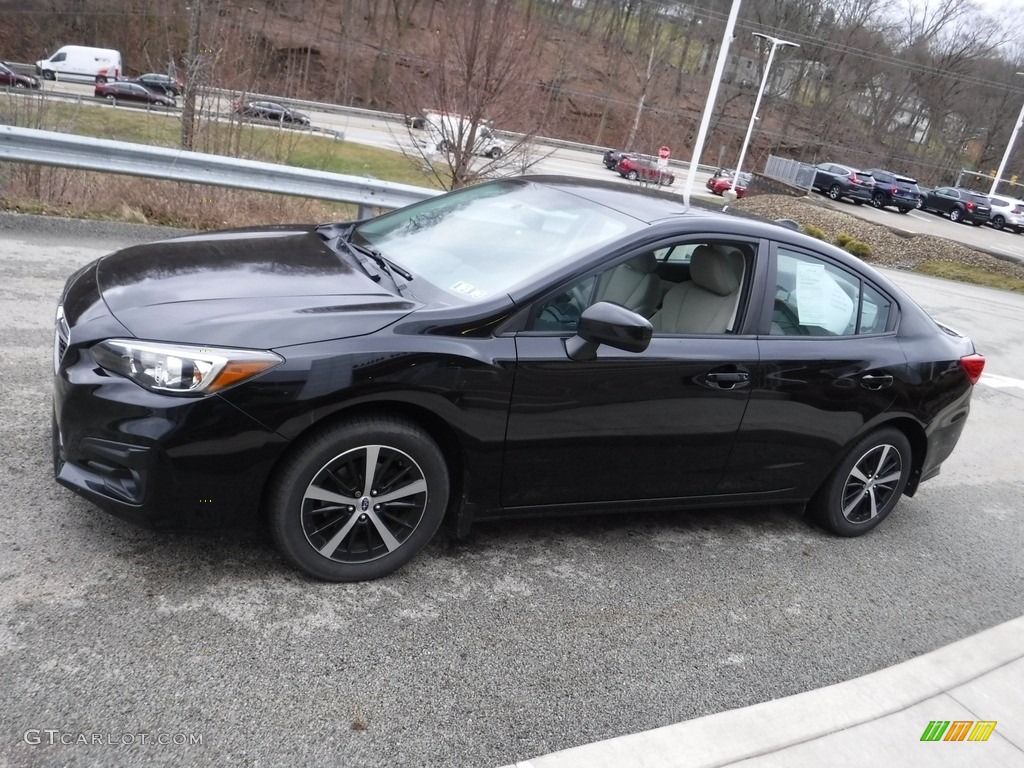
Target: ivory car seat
(706, 303)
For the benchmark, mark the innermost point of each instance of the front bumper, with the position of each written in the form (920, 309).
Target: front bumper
(158, 460)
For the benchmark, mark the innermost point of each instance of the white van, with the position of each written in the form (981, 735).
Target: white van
(78, 62)
(447, 131)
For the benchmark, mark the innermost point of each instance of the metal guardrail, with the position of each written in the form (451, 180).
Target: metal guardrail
(28, 145)
(790, 171)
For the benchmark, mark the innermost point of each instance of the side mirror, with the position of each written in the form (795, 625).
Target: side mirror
(611, 324)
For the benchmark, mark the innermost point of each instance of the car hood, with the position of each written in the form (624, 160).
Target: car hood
(258, 288)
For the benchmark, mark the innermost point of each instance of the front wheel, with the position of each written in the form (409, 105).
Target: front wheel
(360, 499)
(866, 485)
(834, 192)
(49, 75)
(495, 153)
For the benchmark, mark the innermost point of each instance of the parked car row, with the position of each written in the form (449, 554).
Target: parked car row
(636, 167)
(885, 189)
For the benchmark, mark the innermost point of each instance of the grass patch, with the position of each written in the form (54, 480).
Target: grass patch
(964, 273)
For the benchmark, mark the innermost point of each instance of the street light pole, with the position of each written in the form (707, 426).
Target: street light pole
(1006, 154)
(776, 42)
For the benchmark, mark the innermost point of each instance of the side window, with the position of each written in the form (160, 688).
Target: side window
(814, 298)
(59, 57)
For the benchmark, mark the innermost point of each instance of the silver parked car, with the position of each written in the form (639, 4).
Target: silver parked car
(1006, 213)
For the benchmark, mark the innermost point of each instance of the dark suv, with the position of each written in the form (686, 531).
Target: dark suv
(839, 181)
(959, 204)
(892, 189)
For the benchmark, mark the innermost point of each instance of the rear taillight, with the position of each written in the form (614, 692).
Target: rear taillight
(972, 366)
(853, 177)
(969, 205)
(1017, 209)
(895, 190)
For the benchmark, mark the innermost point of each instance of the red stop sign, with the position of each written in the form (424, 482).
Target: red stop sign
(663, 153)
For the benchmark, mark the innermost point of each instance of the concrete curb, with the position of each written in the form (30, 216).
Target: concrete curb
(739, 734)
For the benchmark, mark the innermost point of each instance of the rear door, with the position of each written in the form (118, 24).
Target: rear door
(830, 364)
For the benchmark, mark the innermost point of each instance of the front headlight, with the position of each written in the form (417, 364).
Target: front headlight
(182, 369)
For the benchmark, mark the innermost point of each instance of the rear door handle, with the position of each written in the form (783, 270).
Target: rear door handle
(875, 382)
(727, 380)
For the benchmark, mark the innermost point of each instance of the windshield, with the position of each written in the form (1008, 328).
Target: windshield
(484, 240)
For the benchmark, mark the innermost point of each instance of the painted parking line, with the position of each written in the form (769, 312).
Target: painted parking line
(1001, 382)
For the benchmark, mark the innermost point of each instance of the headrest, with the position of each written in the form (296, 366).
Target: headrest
(644, 263)
(716, 271)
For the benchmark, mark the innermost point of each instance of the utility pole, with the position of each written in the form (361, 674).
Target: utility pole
(188, 109)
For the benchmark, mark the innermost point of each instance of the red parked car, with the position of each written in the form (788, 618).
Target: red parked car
(722, 180)
(633, 168)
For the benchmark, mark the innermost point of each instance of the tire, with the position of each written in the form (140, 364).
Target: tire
(834, 192)
(48, 75)
(19, 84)
(329, 539)
(495, 153)
(956, 215)
(632, 176)
(998, 222)
(854, 499)
(101, 79)
(878, 201)
(905, 210)
(858, 202)
(112, 100)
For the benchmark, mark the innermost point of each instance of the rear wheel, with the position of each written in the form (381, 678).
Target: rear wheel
(866, 485)
(905, 210)
(495, 153)
(878, 200)
(998, 222)
(834, 192)
(112, 99)
(360, 499)
(956, 215)
(19, 84)
(632, 175)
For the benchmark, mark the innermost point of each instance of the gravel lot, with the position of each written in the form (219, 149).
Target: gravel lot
(889, 247)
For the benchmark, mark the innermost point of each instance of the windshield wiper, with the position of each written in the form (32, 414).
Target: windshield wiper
(361, 252)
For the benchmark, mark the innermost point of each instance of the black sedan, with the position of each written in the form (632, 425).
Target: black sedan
(959, 204)
(155, 81)
(121, 90)
(612, 157)
(272, 111)
(524, 347)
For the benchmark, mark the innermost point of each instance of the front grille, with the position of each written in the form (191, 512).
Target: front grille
(60, 338)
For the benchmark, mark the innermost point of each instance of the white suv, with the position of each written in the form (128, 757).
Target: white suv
(1006, 213)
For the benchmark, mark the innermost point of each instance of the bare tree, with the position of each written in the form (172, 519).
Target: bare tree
(481, 75)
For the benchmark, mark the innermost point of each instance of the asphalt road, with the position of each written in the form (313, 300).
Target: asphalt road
(528, 638)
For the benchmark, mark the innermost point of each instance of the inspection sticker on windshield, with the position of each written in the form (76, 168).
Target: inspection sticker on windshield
(467, 289)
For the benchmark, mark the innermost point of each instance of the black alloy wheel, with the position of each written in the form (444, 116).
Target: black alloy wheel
(358, 500)
(998, 222)
(834, 192)
(905, 210)
(878, 200)
(866, 485)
